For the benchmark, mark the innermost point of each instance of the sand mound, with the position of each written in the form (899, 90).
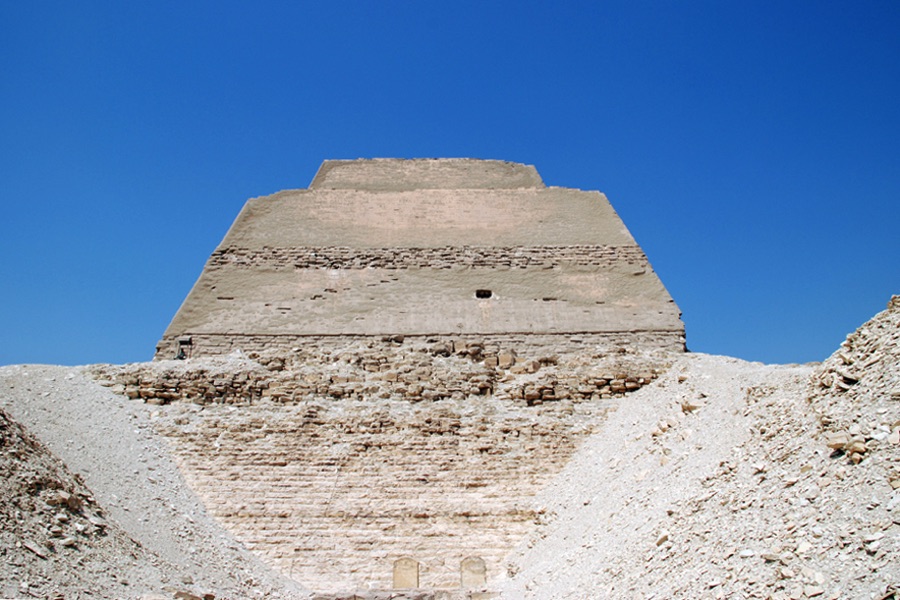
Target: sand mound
(54, 539)
(159, 537)
(724, 479)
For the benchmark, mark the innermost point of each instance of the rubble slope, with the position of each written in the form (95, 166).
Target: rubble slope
(727, 479)
(160, 538)
(54, 539)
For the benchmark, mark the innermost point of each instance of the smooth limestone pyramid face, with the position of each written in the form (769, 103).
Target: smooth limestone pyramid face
(426, 247)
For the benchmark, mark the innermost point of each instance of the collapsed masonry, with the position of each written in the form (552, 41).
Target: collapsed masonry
(422, 343)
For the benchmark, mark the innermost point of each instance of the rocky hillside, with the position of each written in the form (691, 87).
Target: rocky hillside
(727, 479)
(55, 541)
(857, 390)
(92, 505)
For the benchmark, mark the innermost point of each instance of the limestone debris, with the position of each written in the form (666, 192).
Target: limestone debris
(757, 492)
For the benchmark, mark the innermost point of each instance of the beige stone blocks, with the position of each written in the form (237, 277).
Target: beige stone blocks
(334, 473)
(406, 573)
(383, 370)
(472, 572)
(333, 460)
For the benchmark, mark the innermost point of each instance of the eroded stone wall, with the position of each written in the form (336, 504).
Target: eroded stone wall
(382, 370)
(332, 492)
(526, 346)
(342, 257)
(334, 460)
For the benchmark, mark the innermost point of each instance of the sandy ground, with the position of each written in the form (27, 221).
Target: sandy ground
(718, 481)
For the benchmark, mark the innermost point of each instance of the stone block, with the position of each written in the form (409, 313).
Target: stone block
(506, 359)
(406, 573)
(472, 572)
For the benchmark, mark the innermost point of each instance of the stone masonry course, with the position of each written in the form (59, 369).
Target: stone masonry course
(335, 460)
(447, 257)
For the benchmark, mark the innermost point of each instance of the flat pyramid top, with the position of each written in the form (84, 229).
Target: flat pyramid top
(394, 174)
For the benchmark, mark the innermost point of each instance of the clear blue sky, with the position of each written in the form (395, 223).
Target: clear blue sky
(752, 148)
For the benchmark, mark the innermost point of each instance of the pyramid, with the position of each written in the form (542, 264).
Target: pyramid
(426, 247)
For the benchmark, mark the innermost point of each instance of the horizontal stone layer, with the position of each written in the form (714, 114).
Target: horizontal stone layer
(391, 174)
(423, 218)
(449, 301)
(526, 344)
(343, 257)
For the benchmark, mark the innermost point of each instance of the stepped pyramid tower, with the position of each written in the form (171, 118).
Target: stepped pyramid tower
(426, 247)
(426, 343)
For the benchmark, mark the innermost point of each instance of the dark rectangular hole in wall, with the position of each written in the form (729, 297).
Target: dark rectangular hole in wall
(483, 293)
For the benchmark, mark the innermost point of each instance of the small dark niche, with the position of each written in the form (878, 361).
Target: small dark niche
(483, 293)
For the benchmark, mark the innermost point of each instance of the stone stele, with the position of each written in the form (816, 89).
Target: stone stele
(424, 247)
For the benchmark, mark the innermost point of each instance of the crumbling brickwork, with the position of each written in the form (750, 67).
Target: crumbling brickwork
(336, 459)
(342, 257)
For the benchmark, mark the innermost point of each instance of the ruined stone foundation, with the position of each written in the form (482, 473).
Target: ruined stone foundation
(337, 464)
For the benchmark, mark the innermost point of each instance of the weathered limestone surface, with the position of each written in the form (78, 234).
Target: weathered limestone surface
(384, 369)
(423, 247)
(398, 175)
(336, 460)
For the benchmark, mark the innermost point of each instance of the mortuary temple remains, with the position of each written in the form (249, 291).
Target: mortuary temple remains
(380, 373)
